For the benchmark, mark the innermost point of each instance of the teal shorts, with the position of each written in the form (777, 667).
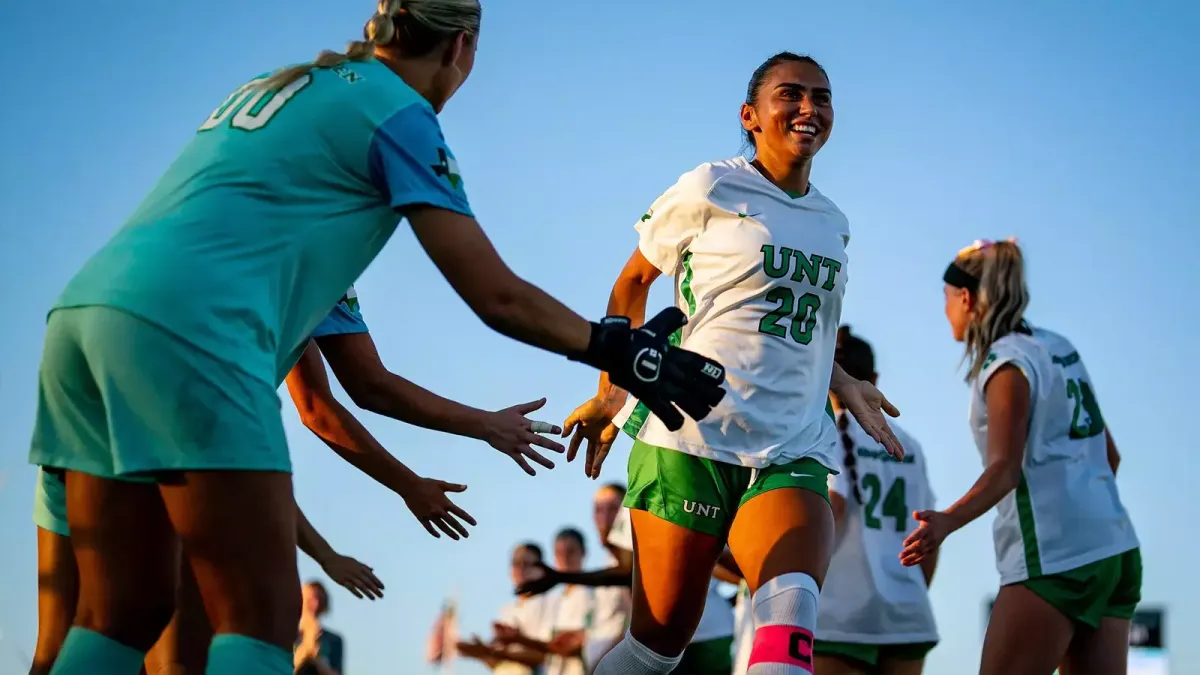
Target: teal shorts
(119, 397)
(50, 503)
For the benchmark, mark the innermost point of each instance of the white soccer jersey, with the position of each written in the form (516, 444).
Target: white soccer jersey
(868, 596)
(717, 619)
(1066, 512)
(761, 275)
(571, 610)
(530, 616)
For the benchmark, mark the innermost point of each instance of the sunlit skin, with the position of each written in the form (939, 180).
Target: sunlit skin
(958, 310)
(793, 95)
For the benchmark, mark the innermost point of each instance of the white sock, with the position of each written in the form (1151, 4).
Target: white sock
(785, 616)
(631, 657)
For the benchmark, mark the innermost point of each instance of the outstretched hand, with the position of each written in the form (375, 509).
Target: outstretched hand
(868, 406)
(510, 432)
(428, 502)
(934, 527)
(592, 422)
(354, 576)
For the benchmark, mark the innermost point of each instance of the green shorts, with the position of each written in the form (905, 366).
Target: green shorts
(703, 494)
(1108, 588)
(119, 397)
(871, 655)
(710, 657)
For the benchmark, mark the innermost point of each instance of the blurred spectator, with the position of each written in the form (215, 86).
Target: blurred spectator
(318, 651)
(527, 615)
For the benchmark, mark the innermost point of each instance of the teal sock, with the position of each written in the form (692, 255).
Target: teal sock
(87, 652)
(232, 654)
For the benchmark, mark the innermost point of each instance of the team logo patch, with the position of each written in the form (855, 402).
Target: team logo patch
(447, 167)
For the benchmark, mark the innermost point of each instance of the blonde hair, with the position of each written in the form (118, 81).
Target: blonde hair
(1000, 299)
(385, 28)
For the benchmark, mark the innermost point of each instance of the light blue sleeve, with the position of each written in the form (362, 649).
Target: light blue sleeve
(410, 162)
(345, 319)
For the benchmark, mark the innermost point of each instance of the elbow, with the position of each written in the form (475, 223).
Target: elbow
(368, 394)
(496, 306)
(1009, 475)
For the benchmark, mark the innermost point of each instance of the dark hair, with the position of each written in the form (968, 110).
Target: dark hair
(572, 533)
(322, 594)
(760, 74)
(532, 548)
(856, 357)
(619, 488)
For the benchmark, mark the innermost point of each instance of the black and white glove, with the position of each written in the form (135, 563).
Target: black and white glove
(662, 377)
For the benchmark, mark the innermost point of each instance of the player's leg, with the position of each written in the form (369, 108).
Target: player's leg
(124, 548)
(782, 539)
(238, 529)
(1105, 648)
(182, 649)
(58, 579)
(1025, 634)
(679, 517)
(124, 594)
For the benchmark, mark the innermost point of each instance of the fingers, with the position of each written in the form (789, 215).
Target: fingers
(526, 408)
(458, 527)
(573, 448)
(457, 511)
(887, 407)
(543, 442)
(666, 413)
(545, 428)
(666, 322)
(520, 460)
(445, 527)
(349, 585)
(429, 528)
(451, 487)
(598, 452)
(533, 454)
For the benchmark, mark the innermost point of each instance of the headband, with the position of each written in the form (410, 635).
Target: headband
(960, 278)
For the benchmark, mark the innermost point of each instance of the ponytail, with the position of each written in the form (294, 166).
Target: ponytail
(997, 270)
(410, 25)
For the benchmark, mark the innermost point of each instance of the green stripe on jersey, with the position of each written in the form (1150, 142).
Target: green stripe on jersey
(641, 413)
(1033, 557)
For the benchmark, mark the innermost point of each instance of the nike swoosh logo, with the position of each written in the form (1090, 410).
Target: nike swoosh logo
(803, 475)
(749, 215)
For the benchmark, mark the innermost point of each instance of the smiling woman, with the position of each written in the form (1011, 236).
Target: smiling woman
(759, 259)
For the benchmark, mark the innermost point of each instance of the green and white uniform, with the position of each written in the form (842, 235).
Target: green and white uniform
(711, 648)
(1063, 532)
(761, 274)
(570, 609)
(872, 606)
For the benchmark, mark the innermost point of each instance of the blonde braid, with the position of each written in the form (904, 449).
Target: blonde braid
(379, 31)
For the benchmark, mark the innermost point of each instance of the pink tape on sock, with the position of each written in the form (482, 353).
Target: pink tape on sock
(791, 645)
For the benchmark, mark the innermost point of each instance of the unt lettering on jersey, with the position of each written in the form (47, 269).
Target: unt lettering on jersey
(802, 309)
(803, 267)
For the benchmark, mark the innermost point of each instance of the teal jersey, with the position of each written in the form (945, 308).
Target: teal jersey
(272, 211)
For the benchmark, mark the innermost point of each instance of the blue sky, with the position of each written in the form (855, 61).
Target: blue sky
(1069, 125)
